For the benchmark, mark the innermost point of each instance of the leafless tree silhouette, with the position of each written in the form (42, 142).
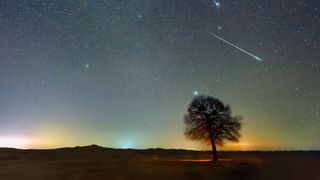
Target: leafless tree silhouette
(209, 120)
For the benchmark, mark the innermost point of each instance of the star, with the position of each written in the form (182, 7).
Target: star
(216, 3)
(195, 93)
(87, 65)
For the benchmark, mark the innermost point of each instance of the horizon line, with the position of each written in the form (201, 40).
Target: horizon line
(159, 148)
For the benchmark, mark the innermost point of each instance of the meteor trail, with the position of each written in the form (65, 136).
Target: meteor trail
(255, 57)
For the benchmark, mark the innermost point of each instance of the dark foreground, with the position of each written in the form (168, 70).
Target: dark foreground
(94, 162)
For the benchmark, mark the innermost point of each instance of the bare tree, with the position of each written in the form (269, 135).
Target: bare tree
(209, 120)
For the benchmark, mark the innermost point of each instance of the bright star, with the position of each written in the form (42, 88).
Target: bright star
(195, 93)
(216, 3)
(87, 66)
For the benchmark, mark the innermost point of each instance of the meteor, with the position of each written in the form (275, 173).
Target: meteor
(250, 54)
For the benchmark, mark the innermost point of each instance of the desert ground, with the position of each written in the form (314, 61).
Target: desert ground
(94, 162)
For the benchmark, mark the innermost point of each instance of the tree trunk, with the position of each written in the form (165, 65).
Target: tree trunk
(214, 151)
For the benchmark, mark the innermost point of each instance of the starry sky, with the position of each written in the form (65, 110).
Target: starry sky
(121, 73)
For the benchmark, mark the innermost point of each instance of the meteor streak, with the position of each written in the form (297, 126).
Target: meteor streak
(250, 54)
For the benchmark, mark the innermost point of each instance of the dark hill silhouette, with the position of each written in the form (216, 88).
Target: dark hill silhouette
(94, 151)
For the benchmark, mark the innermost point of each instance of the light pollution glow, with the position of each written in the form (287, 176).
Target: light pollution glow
(53, 136)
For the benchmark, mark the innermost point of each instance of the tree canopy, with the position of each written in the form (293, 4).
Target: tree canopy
(211, 121)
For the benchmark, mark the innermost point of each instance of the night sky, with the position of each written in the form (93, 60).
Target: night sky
(121, 73)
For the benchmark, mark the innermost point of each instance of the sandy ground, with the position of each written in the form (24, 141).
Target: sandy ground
(94, 162)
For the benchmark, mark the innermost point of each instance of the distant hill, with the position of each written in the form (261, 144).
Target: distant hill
(92, 151)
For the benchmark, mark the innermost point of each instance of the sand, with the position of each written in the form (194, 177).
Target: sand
(94, 162)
